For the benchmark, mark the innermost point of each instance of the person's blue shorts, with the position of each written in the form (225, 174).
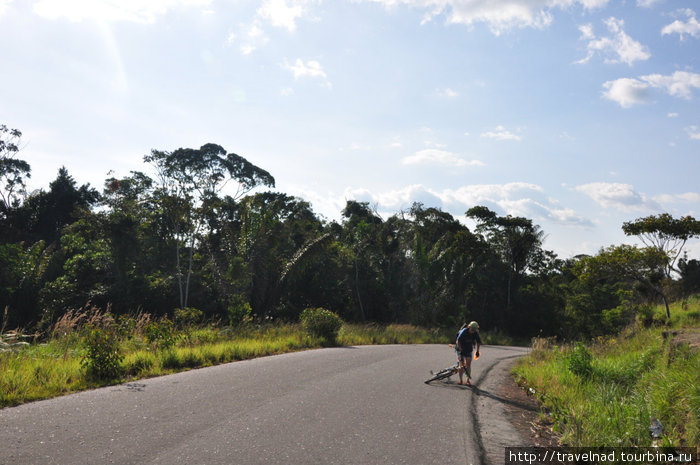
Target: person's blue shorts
(462, 356)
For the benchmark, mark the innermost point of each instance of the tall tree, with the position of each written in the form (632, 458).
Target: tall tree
(361, 226)
(665, 234)
(12, 170)
(518, 241)
(189, 183)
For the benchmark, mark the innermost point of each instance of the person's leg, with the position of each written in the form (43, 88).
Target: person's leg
(460, 371)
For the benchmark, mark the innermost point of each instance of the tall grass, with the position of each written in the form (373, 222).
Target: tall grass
(57, 365)
(642, 374)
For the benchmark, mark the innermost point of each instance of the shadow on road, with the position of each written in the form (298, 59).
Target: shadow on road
(482, 392)
(514, 403)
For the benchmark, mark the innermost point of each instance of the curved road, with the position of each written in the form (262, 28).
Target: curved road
(351, 405)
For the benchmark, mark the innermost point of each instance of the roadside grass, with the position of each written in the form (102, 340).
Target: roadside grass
(611, 398)
(56, 366)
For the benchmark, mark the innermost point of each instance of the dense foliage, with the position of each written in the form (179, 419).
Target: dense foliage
(199, 233)
(321, 323)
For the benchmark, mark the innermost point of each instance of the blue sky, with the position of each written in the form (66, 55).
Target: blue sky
(578, 114)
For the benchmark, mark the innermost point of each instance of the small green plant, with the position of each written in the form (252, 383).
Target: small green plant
(103, 358)
(161, 334)
(580, 361)
(321, 323)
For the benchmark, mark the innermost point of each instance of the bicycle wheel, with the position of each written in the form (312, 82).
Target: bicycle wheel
(442, 374)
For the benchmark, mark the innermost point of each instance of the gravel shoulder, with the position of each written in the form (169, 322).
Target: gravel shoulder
(527, 415)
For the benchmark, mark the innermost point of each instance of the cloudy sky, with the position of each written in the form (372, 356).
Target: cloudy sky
(578, 114)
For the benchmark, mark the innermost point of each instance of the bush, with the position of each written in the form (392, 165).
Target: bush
(580, 361)
(103, 359)
(188, 317)
(161, 334)
(321, 323)
(239, 311)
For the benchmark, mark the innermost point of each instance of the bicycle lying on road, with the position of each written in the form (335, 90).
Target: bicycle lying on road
(446, 372)
(442, 374)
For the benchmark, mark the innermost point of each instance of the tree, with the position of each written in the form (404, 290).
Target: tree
(517, 240)
(438, 254)
(361, 226)
(12, 171)
(44, 214)
(634, 265)
(690, 275)
(664, 233)
(189, 183)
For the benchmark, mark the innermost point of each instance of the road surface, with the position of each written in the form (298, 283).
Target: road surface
(350, 405)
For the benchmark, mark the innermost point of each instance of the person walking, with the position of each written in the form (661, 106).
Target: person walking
(467, 338)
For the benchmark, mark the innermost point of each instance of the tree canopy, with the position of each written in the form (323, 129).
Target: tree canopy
(199, 228)
(664, 233)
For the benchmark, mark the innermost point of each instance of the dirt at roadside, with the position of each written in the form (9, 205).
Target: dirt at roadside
(523, 411)
(691, 337)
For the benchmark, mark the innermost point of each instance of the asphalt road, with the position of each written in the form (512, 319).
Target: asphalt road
(354, 405)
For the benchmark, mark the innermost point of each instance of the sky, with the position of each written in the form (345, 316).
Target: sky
(577, 114)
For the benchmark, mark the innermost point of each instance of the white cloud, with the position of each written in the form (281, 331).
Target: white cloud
(280, 14)
(499, 15)
(310, 69)
(687, 197)
(693, 132)
(673, 115)
(678, 84)
(690, 27)
(616, 195)
(111, 10)
(501, 133)
(440, 157)
(4, 4)
(251, 38)
(618, 48)
(447, 93)
(647, 3)
(517, 198)
(586, 32)
(627, 92)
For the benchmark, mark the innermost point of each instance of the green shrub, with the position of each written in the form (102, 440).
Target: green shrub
(103, 358)
(161, 334)
(239, 311)
(580, 361)
(321, 323)
(188, 317)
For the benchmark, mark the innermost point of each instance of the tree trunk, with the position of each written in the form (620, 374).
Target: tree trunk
(179, 271)
(668, 310)
(357, 289)
(189, 274)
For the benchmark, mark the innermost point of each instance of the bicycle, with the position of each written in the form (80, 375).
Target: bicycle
(446, 372)
(442, 374)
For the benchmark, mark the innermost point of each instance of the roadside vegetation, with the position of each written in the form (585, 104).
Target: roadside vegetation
(90, 348)
(638, 388)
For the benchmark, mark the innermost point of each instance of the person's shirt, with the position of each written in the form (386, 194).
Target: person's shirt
(467, 340)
